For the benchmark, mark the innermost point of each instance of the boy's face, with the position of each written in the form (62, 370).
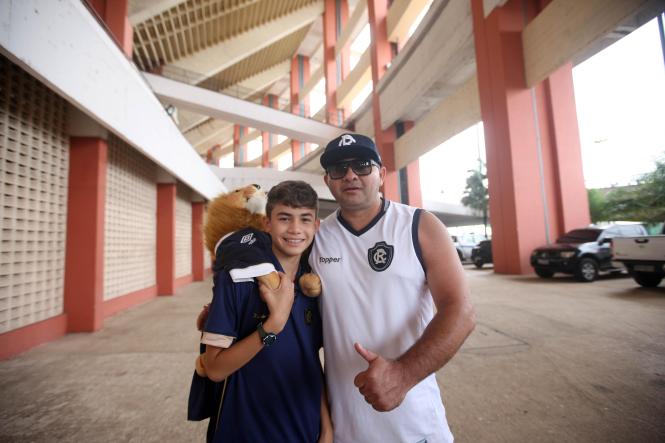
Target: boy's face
(292, 229)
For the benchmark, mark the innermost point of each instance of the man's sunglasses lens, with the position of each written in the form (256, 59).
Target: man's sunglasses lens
(360, 168)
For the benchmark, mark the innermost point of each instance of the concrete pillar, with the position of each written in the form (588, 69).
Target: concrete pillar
(84, 259)
(268, 138)
(166, 200)
(335, 14)
(409, 176)
(381, 53)
(114, 14)
(298, 77)
(531, 137)
(239, 149)
(198, 264)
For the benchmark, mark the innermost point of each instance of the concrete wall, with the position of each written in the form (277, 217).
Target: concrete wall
(34, 153)
(130, 222)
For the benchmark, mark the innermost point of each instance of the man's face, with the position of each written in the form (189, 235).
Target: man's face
(292, 229)
(356, 192)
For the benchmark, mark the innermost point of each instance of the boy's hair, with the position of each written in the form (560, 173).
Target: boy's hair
(293, 193)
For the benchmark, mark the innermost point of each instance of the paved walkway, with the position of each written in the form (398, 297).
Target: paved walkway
(550, 361)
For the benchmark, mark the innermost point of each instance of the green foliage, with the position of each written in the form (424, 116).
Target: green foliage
(644, 202)
(476, 195)
(597, 205)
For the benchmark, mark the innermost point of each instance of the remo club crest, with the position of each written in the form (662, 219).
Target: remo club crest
(380, 256)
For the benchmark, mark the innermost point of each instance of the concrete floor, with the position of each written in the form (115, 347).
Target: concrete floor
(550, 361)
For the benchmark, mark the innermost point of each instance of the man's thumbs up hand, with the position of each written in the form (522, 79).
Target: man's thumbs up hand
(364, 353)
(383, 384)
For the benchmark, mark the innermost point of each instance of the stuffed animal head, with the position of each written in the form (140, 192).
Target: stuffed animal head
(242, 208)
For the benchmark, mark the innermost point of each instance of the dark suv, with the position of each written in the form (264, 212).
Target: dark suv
(582, 252)
(482, 253)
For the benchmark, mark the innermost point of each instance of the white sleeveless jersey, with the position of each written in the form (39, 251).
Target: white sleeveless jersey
(374, 293)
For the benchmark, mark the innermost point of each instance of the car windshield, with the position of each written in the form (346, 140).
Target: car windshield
(579, 236)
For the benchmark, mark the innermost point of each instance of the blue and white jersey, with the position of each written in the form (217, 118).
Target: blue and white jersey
(276, 396)
(374, 292)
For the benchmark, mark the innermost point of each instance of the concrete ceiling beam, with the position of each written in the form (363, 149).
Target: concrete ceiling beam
(274, 152)
(142, 11)
(314, 79)
(242, 90)
(566, 28)
(354, 25)
(355, 81)
(435, 62)
(401, 15)
(453, 115)
(238, 111)
(216, 58)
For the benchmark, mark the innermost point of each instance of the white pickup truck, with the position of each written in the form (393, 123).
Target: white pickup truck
(644, 257)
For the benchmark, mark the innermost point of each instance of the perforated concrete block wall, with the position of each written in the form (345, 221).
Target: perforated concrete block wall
(34, 156)
(183, 231)
(130, 227)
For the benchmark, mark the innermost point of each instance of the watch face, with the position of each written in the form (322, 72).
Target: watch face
(269, 339)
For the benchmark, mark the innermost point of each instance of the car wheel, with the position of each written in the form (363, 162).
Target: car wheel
(544, 273)
(647, 279)
(478, 262)
(587, 270)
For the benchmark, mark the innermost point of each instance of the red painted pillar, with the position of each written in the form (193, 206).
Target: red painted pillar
(84, 259)
(381, 55)
(294, 88)
(335, 13)
(268, 138)
(166, 198)
(298, 76)
(114, 14)
(198, 267)
(411, 193)
(531, 136)
(239, 155)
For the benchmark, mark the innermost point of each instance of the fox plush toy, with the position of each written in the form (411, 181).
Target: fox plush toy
(244, 210)
(246, 253)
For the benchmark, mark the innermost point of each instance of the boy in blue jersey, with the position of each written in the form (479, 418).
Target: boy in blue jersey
(263, 345)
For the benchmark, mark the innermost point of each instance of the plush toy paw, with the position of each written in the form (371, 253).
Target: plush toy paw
(310, 284)
(203, 316)
(270, 280)
(199, 366)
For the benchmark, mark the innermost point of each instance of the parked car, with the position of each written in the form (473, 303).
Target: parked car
(482, 253)
(644, 257)
(582, 252)
(464, 244)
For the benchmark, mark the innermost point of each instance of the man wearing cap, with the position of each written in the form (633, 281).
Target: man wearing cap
(384, 266)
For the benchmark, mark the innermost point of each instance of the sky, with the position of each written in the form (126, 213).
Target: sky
(620, 99)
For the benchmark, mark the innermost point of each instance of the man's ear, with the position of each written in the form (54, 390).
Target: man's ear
(326, 179)
(382, 174)
(266, 223)
(317, 224)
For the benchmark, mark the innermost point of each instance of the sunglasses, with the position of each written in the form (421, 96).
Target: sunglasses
(359, 167)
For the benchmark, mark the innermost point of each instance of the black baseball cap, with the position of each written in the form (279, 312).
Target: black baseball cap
(348, 146)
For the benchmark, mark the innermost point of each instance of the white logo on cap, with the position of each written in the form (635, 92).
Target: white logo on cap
(346, 139)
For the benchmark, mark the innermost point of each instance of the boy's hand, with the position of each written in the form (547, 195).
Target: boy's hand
(279, 303)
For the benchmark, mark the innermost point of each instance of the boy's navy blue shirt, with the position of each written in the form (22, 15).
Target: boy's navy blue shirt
(276, 396)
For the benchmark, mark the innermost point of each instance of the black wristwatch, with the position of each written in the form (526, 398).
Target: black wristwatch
(267, 338)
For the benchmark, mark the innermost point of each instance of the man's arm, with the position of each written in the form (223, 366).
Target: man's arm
(219, 362)
(386, 382)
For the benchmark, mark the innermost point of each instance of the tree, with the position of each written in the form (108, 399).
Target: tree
(597, 205)
(476, 195)
(643, 202)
